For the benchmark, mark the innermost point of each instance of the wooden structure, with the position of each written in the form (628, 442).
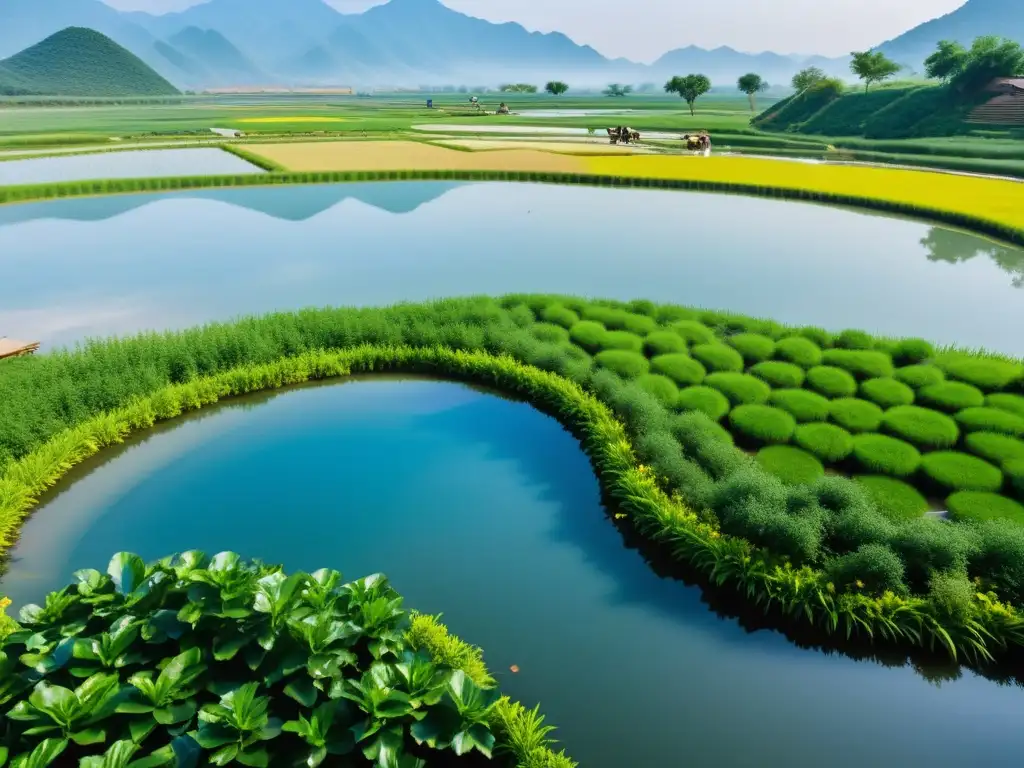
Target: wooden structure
(13, 348)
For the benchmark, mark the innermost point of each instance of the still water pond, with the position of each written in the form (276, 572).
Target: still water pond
(124, 165)
(88, 267)
(497, 522)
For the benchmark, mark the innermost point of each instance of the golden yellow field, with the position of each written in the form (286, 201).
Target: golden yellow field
(565, 147)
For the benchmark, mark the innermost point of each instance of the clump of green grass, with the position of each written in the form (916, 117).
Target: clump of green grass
(831, 382)
(802, 404)
(779, 374)
(706, 400)
(669, 313)
(986, 419)
(980, 506)
(559, 314)
(896, 499)
(662, 387)
(875, 566)
(961, 472)
(664, 343)
(987, 373)
(791, 465)
(718, 357)
(762, 423)
(627, 364)
(1006, 402)
(740, 388)
(588, 334)
(828, 442)
(622, 340)
(1014, 470)
(911, 351)
(754, 347)
(694, 332)
(952, 396)
(551, 333)
(918, 376)
(856, 415)
(798, 350)
(864, 364)
(994, 447)
(682, 369)
(619, 319)
(886, 455)
(854, 339)
(923, 427)
(886, 392)
(819, 336)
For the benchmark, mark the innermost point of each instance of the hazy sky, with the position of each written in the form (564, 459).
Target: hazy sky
(644, 29)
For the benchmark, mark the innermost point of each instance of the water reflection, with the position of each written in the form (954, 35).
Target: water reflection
(955, 247)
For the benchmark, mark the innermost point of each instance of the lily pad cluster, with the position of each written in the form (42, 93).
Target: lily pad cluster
(196, 660)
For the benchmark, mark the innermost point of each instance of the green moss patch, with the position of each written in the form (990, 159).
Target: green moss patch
(986, 419)
(740, 388)
(803, 405)
(627, 364)
(662, 387)
(854, 339)
(861, 363)
(718, 357)
(886, 392)
(798, 350)
(856, 415)
(762, 423)
(923, 427)
(694, 332)
(1014, 471)
(880, 454)
(918, 376)
(896, 499)
(559, 314)
(619, 319)
(994, 447)
(952, 396)
(752, 346)
(987, 373)
(789, 464)
(831, 382)
(828, 442)
(664, 343)
(622, 340)
(1006, 402)
(910, 351)
(549, 332)
(588, 334)
(981, 506)
(779, 374)
(706, 400)
(682, 369)
(961, 472)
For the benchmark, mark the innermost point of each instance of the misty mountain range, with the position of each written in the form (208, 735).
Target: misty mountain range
(408, 42)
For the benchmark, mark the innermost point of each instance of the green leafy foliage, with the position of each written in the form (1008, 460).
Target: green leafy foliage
(1006, 402)
(694, 332)
(952, 396)
(981, 505)
(740, 388)
(864, 364)
(559, 315)
(908, 352)
(762, 423)
(779, 374)
(988, 374)
(897, 499)
(987, 419)
(961, 472)
(626, 364)
(554, 334)
(789, 464)
(798, 350)
(886, 392)
(923, 427)
(886, 455)
(856, 415)
(801, 404)
(999, 449)
(826, 441)
(705, 400)
(918, 376)
(662, 387)
(754, 347)
(718, 357)
(831, 381)
(664, 343)
(682, 369)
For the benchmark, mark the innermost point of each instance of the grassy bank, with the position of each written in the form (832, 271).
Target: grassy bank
(644, 387)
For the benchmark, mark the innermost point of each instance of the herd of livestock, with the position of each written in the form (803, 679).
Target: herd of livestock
(698, 142)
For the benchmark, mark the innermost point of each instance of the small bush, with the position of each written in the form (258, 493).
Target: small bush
(886, 392)
(961, 472)
(831, 382)
(1015, 474)
(994, 447)
(789, 464)
(952, 396)
(819, 336)
(763, 423)
(753, 347)
(664, 455)
(664, 343)
(875, 566)
(639, 324)
(682, 369)
(803, 405)
(622, 340)
(999, 556)
(894, 498)
(643, 307)
(853, 339)
(986, 373)
(886, 455)
(921, 426)
(740, 388)
(779, 374)
(667, 313)
(862, 364)
(918, 376)
(986, 419)
(1006, 402)
(619, 319)
(952, 594)
(927, 545)
(551, 333)
(856, 415)
(662, 387)
(718, 357)
(709, 444)
(705, 400)
(979, 505)
(910, 351)
(559, 315)
(588, 334)
(798, 350)
(629, 365)
(694, 332)
(826, 441)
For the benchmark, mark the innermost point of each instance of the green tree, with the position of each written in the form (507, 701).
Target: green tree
(690, 88)
(556, 87)
(988, 58)
(873, 67)
(807, 78)
(947, 61)
(618, 90)
(751, 84)
(518, 88)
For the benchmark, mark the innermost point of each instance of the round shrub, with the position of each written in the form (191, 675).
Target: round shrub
(694, 332)
(789, 464)
(886, 392)
(643, 307)
(921, 426)
(819, 336)
(763, 423)
(831, 382)
(718, 357)
(986, 419)
(620, 319)
(798, 350)
(875, 566)
(953, 595)
(559, 314)
(554, 334)
(669, 313)
(856, 415)
(862, 364)
(987, 373)
(662, 387)
(639, 324)
(803, 405)
(910, 351)
(588, 334)
(779, 374)
(978, 505)
(994, 447)
(854, 339)
(622, 340)
(627, 364)
(999, 557)
(951, 396)
(826, 441)
(927, 545)
(740, 388)
(753, 346)
(961, 472)
(1006, 402)
(894, 498)
(1014, 470)
(682, 369)
(886, 455)
(705, 400)
(664, 343)
(918, 376)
